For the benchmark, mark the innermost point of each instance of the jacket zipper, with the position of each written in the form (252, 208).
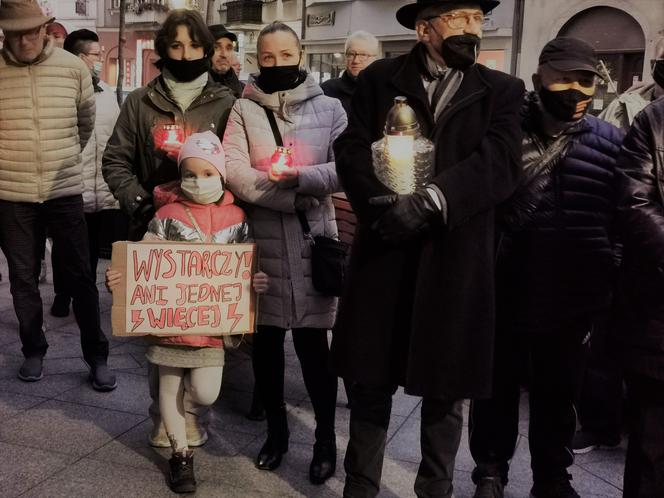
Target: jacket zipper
(35, 114)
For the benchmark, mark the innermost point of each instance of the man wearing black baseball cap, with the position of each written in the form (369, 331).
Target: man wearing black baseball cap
(554, 273)
(222, 60)
(418, 308)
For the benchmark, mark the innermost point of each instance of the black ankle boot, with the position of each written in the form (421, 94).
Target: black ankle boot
(182, 479)
(269, 458)
(324, 462)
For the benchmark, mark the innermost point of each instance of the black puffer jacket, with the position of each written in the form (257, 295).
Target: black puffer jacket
(640, 323)
(556, 254)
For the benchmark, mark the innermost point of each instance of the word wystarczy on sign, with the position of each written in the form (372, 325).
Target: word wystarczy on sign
(181, 289)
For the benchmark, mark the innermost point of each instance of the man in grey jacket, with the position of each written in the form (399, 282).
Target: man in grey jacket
(622, 111)
(41, 182)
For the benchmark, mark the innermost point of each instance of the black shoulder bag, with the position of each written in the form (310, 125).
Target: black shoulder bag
(328, 255)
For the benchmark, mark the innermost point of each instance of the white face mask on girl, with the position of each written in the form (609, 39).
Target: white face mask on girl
(203, 190)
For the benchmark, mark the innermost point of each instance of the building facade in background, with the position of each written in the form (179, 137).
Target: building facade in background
(246, 18)
(72, 14)
(142, 19)
(623, 32)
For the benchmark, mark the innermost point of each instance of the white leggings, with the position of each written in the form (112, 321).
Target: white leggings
(202, 385)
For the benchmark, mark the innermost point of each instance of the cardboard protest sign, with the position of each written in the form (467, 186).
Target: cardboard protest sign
(180, 288)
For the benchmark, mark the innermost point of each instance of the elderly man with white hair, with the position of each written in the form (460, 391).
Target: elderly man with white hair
(360, 51)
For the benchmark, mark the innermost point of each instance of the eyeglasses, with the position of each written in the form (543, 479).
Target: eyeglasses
(31, 35)
(460, 19)
(96, 55)
(360, 57)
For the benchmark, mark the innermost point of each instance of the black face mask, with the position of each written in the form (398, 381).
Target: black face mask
(563, 104)
(184, 71)
(460, 51)
(279, 78)
(658, 73)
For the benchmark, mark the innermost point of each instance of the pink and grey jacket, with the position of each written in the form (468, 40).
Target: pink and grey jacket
(220, 223)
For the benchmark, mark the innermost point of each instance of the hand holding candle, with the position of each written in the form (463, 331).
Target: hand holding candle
(281, 169)
(169, 139)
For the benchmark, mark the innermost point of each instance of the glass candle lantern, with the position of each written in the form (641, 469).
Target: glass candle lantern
(281, 160)
(403, 158)
(173, 135)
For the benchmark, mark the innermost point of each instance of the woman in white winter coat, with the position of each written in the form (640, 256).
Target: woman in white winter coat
(308, 123)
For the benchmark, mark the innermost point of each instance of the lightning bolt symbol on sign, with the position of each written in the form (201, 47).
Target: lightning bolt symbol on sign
(136, 319)
(231, 315)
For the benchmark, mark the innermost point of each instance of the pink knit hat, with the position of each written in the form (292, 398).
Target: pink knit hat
(206, 146)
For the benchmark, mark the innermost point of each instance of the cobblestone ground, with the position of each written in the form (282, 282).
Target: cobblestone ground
(60, 438)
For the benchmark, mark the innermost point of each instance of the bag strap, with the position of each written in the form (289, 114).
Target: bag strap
(273, 125)
(306, 229)
(204, 238)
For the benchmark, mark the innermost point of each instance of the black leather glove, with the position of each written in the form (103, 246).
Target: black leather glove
(408, 215)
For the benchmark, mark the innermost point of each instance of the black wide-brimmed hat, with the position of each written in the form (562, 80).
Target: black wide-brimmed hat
(407, 14)
(220, 31)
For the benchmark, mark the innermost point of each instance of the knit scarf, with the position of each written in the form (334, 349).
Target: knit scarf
(184, 92)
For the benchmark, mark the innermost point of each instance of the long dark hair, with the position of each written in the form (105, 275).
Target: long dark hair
(198, 31)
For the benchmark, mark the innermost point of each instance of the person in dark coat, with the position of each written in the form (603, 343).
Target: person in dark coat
(222, 61)
(554, 273)
(140, 153)
(640, 297)
(418, 308)
(360, 51)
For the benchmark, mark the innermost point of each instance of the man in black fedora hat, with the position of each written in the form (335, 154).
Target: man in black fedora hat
(418, 308)
(222, 60)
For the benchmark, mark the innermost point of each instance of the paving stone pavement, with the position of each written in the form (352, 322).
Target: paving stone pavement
(59, 438)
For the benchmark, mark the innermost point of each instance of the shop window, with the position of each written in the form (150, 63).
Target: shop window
(326, 66)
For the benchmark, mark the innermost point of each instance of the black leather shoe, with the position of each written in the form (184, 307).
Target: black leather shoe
(324, 462)
(270, 455)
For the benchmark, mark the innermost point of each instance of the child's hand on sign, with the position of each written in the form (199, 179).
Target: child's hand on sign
(113, 279)
(260, 282)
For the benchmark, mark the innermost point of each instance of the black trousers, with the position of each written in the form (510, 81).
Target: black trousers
(555, 365)
(313, 351)
(600, 404)
(644, 465)
(22, 226)
(440, 435)
(104, 228)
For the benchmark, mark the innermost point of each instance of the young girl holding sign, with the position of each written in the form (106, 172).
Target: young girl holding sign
(194, 209)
